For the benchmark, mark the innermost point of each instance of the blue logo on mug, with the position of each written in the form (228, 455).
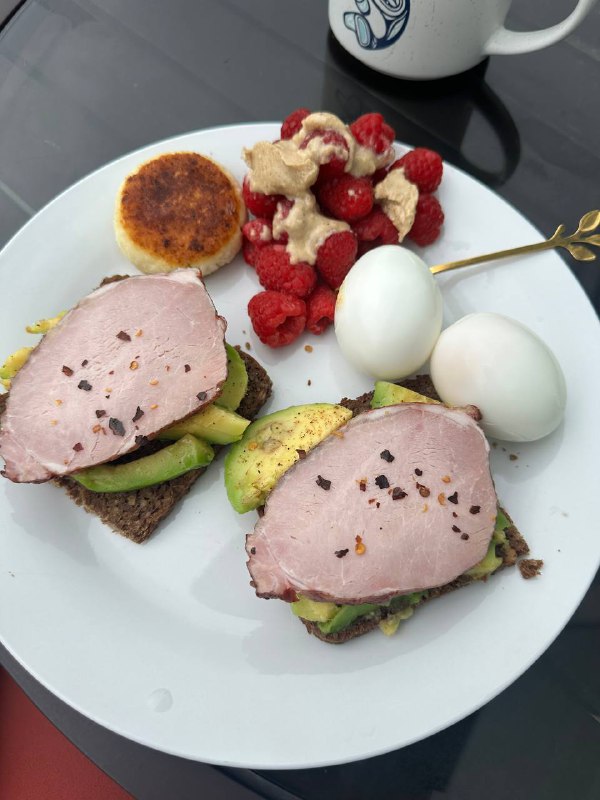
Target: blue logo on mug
(379, 23)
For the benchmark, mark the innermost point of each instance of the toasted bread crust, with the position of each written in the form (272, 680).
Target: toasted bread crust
(179, 210)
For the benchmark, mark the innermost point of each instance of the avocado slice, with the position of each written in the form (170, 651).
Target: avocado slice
(346, 615)
(13, 364)
(214, 424)
(490, 562)
(234, 388)
(271, 445)
(390, 394)
(313, 610)
(170, 462)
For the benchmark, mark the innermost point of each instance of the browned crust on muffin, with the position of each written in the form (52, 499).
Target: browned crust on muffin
(180, 207)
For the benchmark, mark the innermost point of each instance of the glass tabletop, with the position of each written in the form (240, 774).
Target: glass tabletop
(83, 82)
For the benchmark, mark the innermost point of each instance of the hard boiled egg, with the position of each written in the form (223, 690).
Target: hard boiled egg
(388, 313)
(506, 370)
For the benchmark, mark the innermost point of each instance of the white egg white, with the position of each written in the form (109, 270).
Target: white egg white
(506, 370)
(388, 313)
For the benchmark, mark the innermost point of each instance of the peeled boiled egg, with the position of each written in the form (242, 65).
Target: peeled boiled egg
(506, 370)
(388, 313)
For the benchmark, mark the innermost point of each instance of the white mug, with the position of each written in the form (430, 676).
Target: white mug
(426, 39)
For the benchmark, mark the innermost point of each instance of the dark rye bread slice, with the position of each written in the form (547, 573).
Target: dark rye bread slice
(516, 547)
(136, 514)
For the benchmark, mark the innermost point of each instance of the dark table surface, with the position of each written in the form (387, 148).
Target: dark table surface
(84, 81)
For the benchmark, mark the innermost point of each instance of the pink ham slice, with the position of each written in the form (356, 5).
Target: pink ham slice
(305, 541)
(129, 360)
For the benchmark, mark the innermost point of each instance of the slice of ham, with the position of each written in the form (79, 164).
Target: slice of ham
(129, 360)
(306, 541)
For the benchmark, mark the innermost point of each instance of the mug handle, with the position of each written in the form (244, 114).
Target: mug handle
(505, 42)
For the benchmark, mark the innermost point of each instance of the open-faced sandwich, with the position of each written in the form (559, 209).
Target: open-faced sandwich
(369, 508)
(125, 397)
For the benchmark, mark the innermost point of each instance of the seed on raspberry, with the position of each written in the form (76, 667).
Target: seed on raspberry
(320, 309)
(293, 122)
(257, 203)
(277, 273)
(372, 131)
(336, 256)
(258, 231)
(374, 230)
(429, 219)
(346, 198)
(422, 167)
(277, 318)
(331, 151)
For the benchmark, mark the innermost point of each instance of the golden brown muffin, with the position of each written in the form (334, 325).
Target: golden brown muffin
(179, 210)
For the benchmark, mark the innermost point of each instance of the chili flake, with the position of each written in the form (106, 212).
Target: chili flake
(446, 478)
(382, 482)
(77, 447)
(387, 456)
(456, 529)
(58, 402)
(474, 509)
(153, 406)
(253, 551)
(201, 396)
(123, 336)
(453, 498)
(418, 472)
(423, 490)
(154, 382)
(323, 483)
(359, 547)
(139, 332)
(116, 426)
(186, 367)
(85, 362)
(442, 499)
(362, 485)
(134, 365)
(464, 536)
(341, 553)
(100, 412)
(398, 493)
(138, 414)
(67, 371)
(84, 385)
(97, 428)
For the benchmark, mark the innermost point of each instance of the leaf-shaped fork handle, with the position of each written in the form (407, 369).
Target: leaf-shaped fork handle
(575, 244)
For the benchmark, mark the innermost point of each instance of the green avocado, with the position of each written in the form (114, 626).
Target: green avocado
(390, 394)
(234, 388)
(346, 615)
(313, 610)
(172, 461)
(490, 562)
(271, 445)
(214, 424)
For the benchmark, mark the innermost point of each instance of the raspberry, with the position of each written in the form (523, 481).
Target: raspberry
(374, 230)
(276, 272)
(249, 252)
(372, 131)
(277, 318)
(261, 205)
(333, 162)
(320, 308)
(428, 220)
(422, 167)
(347, 198)
(258, 231)
(336, 256)
(293, 122)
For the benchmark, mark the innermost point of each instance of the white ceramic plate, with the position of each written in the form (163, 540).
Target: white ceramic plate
(166, 643)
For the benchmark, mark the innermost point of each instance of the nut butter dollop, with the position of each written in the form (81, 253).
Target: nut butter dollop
(307, 229)
(280, 168)
(398, 198)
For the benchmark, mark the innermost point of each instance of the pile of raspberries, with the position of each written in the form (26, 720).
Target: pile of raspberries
(299, 296)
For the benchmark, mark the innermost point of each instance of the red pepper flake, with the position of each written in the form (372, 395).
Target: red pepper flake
(67, 371)
(85, 362)
(371, 500)
(253, 551)
(100, 412)
(423, 490)
(456, 529)
(418, 472)
(359, 547)
(454, 514)
(387, 456)
(133, 365)
(154, 382)
(323, 483)
(97, 428)
(168, 368)
(341, 553)
(138, 414)
(58, 402)
(362, 485)
(446, 478)
(186, 367)
(377, 505)
(140, 440)
(398, 493)
(202, 396)
(474, 509)
(112, 372)
(453, 498)
(464, 536)
(442, 499)
(382, 482)
(77, 447)
(116, 426)
(301, 454)
(84, 385)
(139, 332)
(124, 337)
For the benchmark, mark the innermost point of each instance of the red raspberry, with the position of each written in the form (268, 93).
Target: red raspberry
(258, 231)
(277, 318)
(261, 205)
(422, 167)
(276, 272)
(372, 131)
(379, 175)
(336, 256)
(374, 230)
(293, 122)
(347, 198)
(320, 308)
(332, 164)
(428, 220)
(249, 252)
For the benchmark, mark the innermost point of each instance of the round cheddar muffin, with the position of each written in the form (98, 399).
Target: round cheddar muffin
(179, 210)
